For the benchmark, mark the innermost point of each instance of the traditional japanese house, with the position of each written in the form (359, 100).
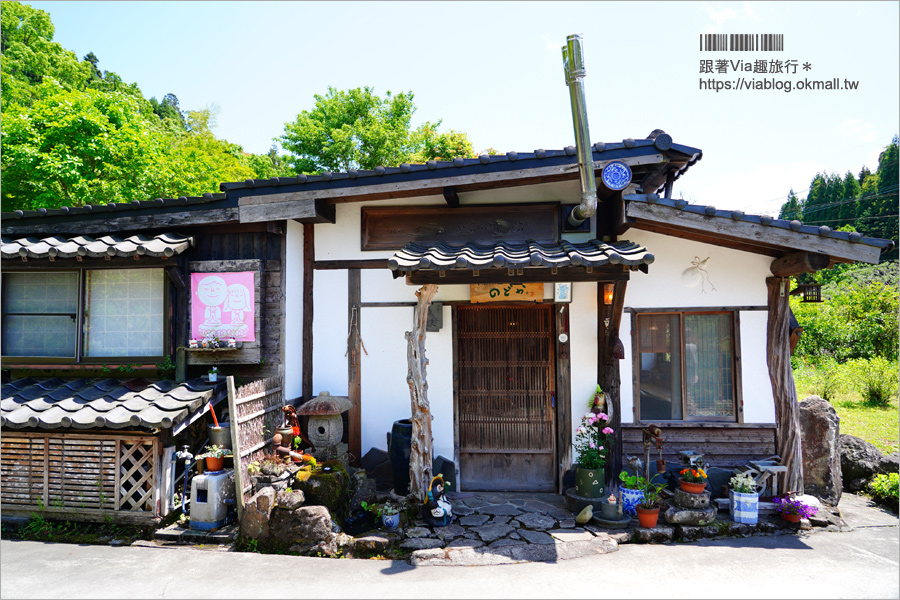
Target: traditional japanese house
(678, 310)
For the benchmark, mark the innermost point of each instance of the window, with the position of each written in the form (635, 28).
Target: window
(686, 367)
(84, 315)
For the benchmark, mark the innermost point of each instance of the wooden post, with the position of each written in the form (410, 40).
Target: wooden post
(608, 368)
(420, 456)
(309, 258)
(354, 375)
(563, 394)
(235, 447)
(787, 410)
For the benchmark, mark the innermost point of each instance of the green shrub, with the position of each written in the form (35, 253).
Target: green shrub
(876, 379)
(886, 489)
(826, 379)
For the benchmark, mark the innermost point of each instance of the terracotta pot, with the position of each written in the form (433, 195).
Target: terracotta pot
(790, 518)
(647, 517)
(660, 465)
(691, 488)
(215, 464)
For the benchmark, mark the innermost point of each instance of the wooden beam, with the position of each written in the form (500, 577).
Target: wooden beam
(376, 263)
(105, 222)
(354, 371)
(799, 262)
(312, 210)
(309, 259)
(787, 409)
(451, 197)
(563, 394)
(529, 275)
(710, 228)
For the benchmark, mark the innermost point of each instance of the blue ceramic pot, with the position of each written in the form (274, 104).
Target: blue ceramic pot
(630, 500)
(391, 521)
(743, 508)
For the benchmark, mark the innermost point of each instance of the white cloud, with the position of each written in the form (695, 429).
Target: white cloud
(857, 130)
(719, 17)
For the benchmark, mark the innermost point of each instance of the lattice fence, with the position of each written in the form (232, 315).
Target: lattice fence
(256, 409)
(89, 475)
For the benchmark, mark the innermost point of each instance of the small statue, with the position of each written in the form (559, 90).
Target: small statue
(438, 510)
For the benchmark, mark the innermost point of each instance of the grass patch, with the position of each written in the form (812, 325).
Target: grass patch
(40, 529)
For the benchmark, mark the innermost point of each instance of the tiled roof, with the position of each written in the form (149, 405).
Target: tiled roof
(95, 403)
(164, 244)
(738, 215)
(113, 207)
(442, 257)
(601, 151)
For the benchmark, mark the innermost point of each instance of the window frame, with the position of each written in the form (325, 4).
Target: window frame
(81, 321)
(738, 401)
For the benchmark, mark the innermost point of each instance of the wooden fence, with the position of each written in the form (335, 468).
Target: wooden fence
(725, 446)
(89, 476)
(255, 411)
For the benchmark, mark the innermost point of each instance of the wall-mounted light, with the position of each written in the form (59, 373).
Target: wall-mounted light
(608, 289)
(812, 292)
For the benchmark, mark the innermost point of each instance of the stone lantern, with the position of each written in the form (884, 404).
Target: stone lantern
(326, 427)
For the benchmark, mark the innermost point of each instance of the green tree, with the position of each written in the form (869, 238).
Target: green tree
(356, 129)
(792, 209)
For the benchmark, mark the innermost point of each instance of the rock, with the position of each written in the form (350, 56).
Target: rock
(378, 465)
(585, 515)
(890, 463)
(576, 503)
(417, 532)
(421, 543)
(571, 535)
(448, 532)
(333, 543)
(307, 524)
(534, 521)
(464, 543)
(692, 501)
(473, 520)
(462, 510)
(820, 429)
(656, 535)
(279, 482)
(677, 515)
(501, 521)
(506, 542)
(289, 499)
(498, 509)
(716, 477)
(536, 537)
(374, 543)
(362, 489)
(325, 488)
(255, 522)
(860, 460)
(567, 523)
(447, 468)
(489, 533)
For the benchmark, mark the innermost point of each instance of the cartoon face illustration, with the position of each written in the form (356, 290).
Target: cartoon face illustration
(238, 297)
(212, 290)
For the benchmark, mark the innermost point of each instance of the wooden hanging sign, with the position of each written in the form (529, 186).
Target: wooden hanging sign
(506, 292)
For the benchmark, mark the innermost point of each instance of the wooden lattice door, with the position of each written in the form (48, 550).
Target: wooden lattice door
(506, 388)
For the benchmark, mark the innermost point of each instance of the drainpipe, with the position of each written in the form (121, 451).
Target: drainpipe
(573, 63)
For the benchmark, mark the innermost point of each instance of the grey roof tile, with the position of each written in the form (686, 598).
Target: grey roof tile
(87, 403)
(164, 244)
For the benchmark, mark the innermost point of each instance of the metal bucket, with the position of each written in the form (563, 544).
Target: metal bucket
(220, 436)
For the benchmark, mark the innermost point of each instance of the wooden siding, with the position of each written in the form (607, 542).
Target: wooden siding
(80, 475)
(726, 446)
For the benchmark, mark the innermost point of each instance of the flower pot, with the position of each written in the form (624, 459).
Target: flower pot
(660, 465)
(630, 500)
(691, 488)
(213, 377)
(391, 521)
(589, 482)
(790, 518)
(743, 508)
(647, 517)
(214, 463)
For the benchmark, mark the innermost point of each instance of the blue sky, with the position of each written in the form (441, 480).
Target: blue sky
(494, 70)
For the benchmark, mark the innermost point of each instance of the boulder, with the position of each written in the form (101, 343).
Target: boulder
(820, 429)
(860, 461)
(255, 521)
(362, 489)
(304, 525)
(890, 463)
(289, 499)
(688, 500)
(677, 515)
(378, 465)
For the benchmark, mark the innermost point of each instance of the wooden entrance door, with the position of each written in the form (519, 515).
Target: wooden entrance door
(506, 390)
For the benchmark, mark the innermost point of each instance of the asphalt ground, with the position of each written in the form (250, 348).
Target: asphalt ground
(863, 562)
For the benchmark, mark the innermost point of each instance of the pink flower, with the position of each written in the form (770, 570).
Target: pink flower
(603, 416)
(579, 429)
(593, 445)
(600, 448)
(607, 430)
(589, 415)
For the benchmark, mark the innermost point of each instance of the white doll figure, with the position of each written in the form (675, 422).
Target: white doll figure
(212, 292)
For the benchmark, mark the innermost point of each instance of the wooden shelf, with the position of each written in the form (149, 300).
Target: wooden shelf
(219, 349)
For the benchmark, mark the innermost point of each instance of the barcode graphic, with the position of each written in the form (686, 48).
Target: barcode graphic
(741, 42)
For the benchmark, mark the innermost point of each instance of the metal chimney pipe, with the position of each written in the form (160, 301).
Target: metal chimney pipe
(573, 63)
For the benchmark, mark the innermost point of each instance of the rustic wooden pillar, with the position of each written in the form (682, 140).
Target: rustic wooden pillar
(608, 368)
(354, 375)
(787, 409)
(420, 456)
(563, 394)
(309, 259)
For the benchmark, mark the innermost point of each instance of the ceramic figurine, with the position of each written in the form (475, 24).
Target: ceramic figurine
(193, 344)
(438, 510)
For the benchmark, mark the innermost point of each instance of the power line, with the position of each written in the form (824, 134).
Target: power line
(854, 220)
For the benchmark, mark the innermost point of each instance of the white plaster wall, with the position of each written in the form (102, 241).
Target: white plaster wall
(759, 403)
(330, 332)
(292, 338)
(582, 348)
(626, 372)
(739, 277)
(385, 393)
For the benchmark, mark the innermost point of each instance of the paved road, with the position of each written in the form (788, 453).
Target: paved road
(861, 563)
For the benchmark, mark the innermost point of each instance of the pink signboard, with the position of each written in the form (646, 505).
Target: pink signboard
(222, 305)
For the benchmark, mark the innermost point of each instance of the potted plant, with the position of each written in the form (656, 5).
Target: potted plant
(387, 512)
(692, 481)
(648, 508)
(793, 510)
(632, 492)
(593, 439)
(214, 374)
(215, 457)
(743, 499)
